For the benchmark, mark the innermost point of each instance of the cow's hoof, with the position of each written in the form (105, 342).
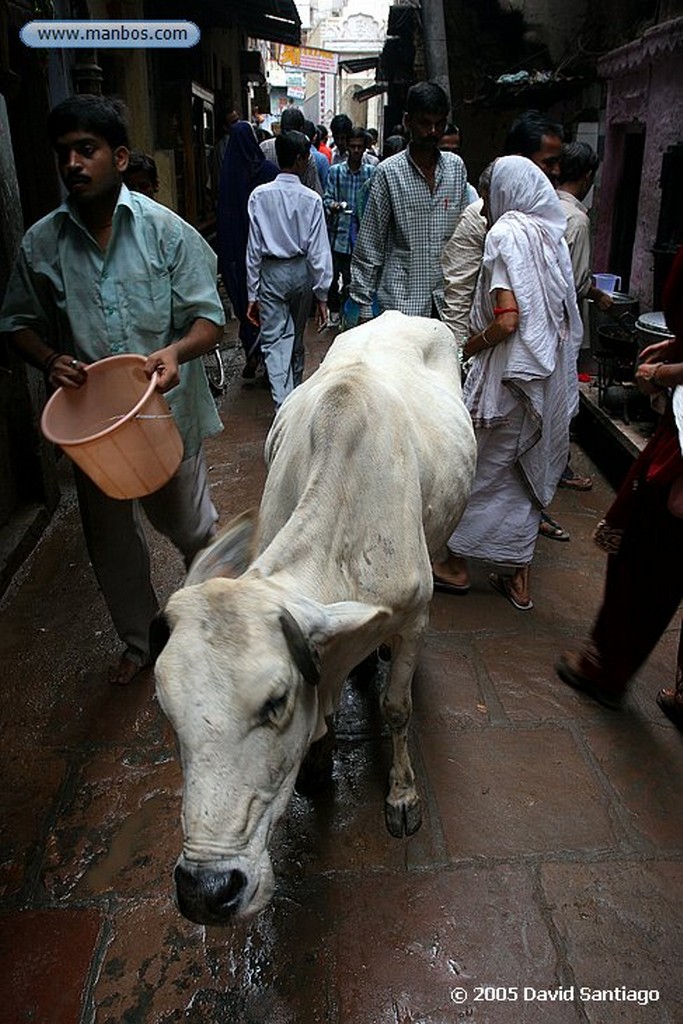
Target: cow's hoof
(403, 819)
(315, 773)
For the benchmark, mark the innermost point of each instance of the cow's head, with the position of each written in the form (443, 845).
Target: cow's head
(238, 677)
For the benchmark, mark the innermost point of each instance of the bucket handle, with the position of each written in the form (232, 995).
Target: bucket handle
(141, 415)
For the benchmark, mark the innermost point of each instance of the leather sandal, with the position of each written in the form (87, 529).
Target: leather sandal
(672, 706)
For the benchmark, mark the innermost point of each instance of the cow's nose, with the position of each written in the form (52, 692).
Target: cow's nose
(209, 897)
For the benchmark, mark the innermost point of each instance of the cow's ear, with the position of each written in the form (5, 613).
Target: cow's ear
(324, 622)
(229, 554)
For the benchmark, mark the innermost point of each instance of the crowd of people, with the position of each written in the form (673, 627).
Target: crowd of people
(311, 222)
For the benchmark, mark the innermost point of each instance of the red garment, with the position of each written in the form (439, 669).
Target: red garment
(661, 461)
(673, 296)
(644, 581)
(326, 151)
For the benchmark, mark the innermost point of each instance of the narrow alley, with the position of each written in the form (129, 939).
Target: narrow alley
(543, 888)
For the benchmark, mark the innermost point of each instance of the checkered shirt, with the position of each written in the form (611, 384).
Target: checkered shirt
(343, 186)
(402, 234)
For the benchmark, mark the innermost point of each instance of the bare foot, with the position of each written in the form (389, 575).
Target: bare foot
(453, 571)
(125, 671)
(519, 585)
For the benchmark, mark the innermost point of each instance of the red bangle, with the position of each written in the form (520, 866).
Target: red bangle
(498, 310)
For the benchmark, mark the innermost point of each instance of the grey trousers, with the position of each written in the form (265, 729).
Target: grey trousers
(182, 510)
(285, 297)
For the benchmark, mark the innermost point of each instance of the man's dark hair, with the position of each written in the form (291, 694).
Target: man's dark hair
(97, 114)
(340, 124)
(394, 144)
(374, 134)
(142, 162)
(452, 129)
(526, 133)
(322, 131)
(484, 182)
(576, 161)
(428, 98)
(310, 130)
(290, 145)
(292, 120)
(358, 133)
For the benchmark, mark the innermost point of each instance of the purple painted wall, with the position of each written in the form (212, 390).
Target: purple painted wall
(645, 88)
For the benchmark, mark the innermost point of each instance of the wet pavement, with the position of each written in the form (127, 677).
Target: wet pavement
(543, 888)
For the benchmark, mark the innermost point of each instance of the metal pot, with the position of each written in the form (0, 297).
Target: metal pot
(651, 328)
(623, 303)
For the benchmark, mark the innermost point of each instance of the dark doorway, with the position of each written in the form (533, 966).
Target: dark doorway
(670, 227)
(626, 206)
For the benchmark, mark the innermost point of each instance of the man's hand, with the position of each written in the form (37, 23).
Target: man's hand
(201, 337)
(164, 362)
(66, 372)
(646, 378)
(253, 313)
(660, 352)
(604, 300)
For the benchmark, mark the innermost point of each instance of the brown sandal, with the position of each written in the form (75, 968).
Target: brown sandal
(672, 706)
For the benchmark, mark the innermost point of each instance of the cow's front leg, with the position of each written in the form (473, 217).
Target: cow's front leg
(402, 807)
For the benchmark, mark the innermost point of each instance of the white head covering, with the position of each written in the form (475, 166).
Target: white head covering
(527, 237)
(517, 184)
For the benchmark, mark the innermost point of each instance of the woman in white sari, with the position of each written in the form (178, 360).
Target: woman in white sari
(521, 389)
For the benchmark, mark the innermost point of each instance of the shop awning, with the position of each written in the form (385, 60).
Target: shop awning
(354, 65)
(276, 21)
(362, 95)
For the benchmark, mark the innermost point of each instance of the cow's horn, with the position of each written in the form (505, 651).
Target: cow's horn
(305, 659)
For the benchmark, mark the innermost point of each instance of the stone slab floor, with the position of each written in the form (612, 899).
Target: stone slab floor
(545, 886)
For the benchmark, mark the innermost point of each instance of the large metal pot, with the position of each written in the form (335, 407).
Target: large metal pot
(615, 354)
(651, 328)
(623, 303)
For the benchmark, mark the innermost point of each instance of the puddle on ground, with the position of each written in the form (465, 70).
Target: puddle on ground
(130, 840)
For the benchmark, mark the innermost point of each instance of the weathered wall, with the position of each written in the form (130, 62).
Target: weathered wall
(645, 88)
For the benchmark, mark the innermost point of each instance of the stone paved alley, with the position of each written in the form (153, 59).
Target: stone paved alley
(550, 859)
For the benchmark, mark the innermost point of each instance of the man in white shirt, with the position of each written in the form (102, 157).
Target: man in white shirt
(288, 255)
(576, 174)
(292, 120)
(578, 164)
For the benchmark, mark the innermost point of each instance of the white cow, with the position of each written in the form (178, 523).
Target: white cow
(370, 466)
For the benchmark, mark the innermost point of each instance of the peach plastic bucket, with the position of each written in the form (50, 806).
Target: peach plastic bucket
(117, 428)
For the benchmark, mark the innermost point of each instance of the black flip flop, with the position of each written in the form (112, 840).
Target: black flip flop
(550, 529)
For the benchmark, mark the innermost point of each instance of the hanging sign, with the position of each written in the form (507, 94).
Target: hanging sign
(308, 59)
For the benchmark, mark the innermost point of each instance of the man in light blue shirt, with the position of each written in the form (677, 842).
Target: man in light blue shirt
(341, 206)
(321, 161)
(111, 271)
(288, 256)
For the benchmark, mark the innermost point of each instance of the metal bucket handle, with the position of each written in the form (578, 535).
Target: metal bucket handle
(627, 321)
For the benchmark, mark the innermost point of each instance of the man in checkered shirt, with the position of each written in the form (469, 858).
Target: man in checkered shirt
(416, 199)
